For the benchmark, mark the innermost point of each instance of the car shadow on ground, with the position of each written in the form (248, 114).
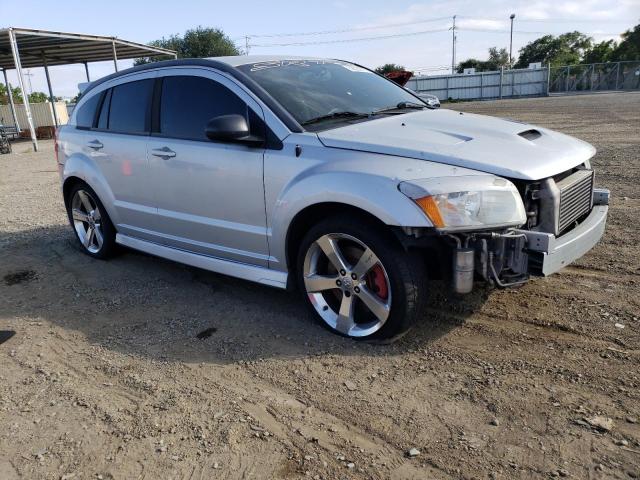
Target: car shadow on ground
(142, 305)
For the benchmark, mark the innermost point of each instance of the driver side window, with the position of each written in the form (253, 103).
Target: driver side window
(187, 103)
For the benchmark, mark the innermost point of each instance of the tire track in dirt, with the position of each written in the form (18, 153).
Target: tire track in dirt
(281, 413)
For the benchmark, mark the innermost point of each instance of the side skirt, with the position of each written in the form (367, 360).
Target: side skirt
(234, 269)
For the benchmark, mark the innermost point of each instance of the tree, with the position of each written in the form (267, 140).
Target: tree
(566, 49)
(629, 47)
(4, 97)
(470, 63)
(38, 97)
(497, 59)
(196, 43)
(388, 68)
(600, 52)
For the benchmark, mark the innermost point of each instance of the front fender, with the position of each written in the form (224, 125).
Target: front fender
(374, 194)
(83, 167)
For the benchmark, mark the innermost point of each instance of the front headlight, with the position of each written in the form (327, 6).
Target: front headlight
(465, 202)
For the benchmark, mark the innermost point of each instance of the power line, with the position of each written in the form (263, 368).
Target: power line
(348, 29)
(491, 30)
(347, 40)
(417, 22)
(409, 34)
(546, 20)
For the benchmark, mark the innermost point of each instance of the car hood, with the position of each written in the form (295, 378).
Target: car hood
(498, 146)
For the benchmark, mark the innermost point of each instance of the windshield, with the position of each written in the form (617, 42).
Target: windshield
(326, 89)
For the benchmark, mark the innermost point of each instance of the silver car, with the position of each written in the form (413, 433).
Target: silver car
(321, 176)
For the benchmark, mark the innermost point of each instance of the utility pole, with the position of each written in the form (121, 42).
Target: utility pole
(28, 74)
(246, 45)
(512, 16)
(453, 46)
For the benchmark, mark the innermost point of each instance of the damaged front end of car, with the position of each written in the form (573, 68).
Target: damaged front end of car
(505, 231)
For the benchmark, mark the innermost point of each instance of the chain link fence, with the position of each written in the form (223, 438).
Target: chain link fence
(595, 77)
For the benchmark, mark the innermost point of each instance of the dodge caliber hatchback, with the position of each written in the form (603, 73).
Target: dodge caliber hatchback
(323, 176)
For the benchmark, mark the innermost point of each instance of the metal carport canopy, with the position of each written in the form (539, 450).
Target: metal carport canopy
(26, 48)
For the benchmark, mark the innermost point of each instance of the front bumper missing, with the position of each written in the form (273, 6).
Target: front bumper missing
(508, 258)
(548, 253)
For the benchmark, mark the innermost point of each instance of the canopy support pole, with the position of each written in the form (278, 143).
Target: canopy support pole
(25, 96)
(115, 57)
(52, 99)
(11, 104)
(86, 70)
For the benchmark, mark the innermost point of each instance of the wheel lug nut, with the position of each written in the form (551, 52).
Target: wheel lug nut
(354, 276)
(343, 273)
(347, 294)
(338, 282)
(357, 289)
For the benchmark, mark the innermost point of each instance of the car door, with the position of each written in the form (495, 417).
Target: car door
(117, 143)
(209, 195)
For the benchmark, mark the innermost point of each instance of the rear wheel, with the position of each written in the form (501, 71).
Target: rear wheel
(359, 282)
(90, 221)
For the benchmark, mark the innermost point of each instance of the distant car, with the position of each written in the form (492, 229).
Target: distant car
(431, 100)
(323, 176)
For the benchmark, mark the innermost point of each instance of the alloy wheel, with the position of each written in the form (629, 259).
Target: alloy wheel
(87, 220)
(347, 284)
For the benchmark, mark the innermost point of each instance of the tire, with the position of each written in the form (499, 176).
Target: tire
(86, 214)
(358, 281)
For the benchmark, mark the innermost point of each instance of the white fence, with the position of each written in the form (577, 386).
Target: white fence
(42, 114)
(484, 85)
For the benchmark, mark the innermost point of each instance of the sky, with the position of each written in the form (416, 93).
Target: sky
(425, 44)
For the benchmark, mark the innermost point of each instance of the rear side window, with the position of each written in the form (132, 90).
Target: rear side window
(86, 115)
(103, 118)
(129, 107)
(188, 103)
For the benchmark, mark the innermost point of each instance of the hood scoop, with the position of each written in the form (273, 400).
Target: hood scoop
(531, 134)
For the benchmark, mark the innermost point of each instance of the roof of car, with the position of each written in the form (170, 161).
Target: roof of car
(237, 60)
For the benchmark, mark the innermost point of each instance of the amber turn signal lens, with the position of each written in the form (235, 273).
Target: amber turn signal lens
(430, 207)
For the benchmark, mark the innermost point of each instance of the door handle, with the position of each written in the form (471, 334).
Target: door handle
(95, 144)
(164, 153)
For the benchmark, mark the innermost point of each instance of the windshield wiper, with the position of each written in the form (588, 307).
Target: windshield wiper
(403, 106)
(335, 115)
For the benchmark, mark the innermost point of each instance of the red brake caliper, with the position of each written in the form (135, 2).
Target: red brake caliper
(376, 282)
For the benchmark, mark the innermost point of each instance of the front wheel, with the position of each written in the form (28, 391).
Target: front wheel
(359, 282)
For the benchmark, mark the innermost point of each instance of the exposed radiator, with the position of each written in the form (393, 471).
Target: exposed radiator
(576, 197)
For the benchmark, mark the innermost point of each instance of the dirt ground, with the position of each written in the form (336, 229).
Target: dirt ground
(106, 378)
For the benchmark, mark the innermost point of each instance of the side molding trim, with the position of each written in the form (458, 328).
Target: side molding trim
(261, 275)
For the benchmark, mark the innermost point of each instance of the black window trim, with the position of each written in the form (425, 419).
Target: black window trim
(106, 96)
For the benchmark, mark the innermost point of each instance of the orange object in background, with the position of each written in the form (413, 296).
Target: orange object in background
(401, 77)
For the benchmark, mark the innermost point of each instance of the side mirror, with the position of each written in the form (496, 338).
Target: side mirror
(231, 128)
